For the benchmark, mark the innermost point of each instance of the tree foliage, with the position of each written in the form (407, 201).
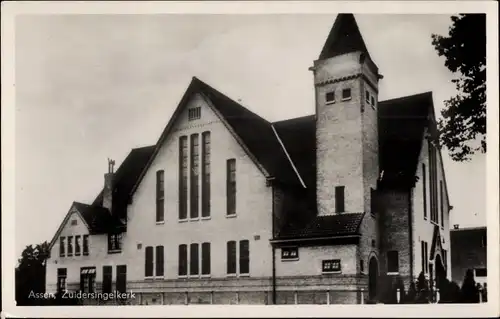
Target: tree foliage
(30, 273)
(463, 125)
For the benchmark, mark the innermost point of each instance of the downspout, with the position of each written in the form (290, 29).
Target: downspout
(410, 222)
(273, 247)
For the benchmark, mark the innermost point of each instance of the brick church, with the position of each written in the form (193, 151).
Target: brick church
(229, 208)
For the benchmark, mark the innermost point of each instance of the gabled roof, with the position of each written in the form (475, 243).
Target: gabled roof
(344, 37)
(252, 132)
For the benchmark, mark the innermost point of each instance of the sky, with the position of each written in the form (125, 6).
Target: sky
(92, 87)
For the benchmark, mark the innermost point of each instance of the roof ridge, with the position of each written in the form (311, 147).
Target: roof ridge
(395, 99)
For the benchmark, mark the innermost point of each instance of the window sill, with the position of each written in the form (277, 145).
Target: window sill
(231, 216)
(69, 255)
(289, 259)
(206, 276)
(160, 223)
(159, 277)
(77, 255)
(149, 278)
(346, 99)
(231, 275)
(331, 102)
(85, 254)
(114, 251)
(392, 273)
(183, 220)
(244, 275)
(206, 218)
(194, 219)
(182, 276)
(331, 272)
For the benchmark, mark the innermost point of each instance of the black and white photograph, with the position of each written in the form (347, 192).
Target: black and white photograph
(334, 156)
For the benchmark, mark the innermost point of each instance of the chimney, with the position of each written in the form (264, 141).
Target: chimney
(107, 194)
(455, 226)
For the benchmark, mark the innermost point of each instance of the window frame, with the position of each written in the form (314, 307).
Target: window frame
(231, 258)
(149, 265)
(244, 258)
(206, 153)
(340, 199)
(85, 245)
(346, 98)
(121, 278)
(69, 250)
(194, 176)
(393, 262)
(78, 251)
(107, 278)
(183, 262)
(289, 249)
(206, 260)
(183, 178)
(62, 246)
(160, 197)
(231, 188)
(62, 273)
(333, 261)
(194, 113)
(159, 263)
(330, 93)
(115, 243)
(194, 260)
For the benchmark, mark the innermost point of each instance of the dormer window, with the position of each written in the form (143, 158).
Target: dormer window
(114, 243)
(346, 94)
(330, 97)
(194, 113)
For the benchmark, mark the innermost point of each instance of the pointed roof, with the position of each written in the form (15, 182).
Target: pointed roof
(344, 37)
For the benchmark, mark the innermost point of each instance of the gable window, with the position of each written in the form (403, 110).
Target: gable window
(183, 177)
(85, 245)
(441, 195)
(61, 279)
(193, 260)
(392, 262)
(424, 190)
(231, 187)
(107, 277)
(121, 278)
(62, 246)
(244, 257)
(70, 245)
(87, 279)
(114, 243)
(149, 266)
(205, 186)
(231, 257)
(195, 173)
(160, 254)
(160, 196)
(290, 253)
(194, 113)
(205, 259)
(183, 265)
(339, 199)
(331, 266)
(77, 245)
(346, 94)
(74, 222)
(330, 97)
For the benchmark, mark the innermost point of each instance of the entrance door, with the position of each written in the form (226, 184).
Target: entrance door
(372, 278)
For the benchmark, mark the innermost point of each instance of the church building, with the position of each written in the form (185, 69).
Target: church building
(230, 208)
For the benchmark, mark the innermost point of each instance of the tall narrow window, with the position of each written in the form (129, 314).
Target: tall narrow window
(183, 177)
(183, 265)
(159, 261)
(244, 257)
(195, 173)
(149, 262)
(339, 199)
(85, 245)
(445, 259)
(231, 186)
(193, 259)
(367, 95)
(107, 277)
(160, 196)
(441, 203)
(422, 255)
(77, 245)
(392, 262)
(70, 245)
(121, 278)
(61, 279)
(62, 245)
(114, 242)
(205, 186)
(424, 190)
(231, 257)
(205, 259)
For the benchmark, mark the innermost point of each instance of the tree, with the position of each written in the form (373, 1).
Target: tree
(423, 292)
(30, 273)
(463, 126)
(470, 293)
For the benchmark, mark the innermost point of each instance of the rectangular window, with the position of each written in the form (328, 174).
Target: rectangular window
(339, 199)
(367, 95)
(193, 259)
(441, 196)
(422, 255)
(87, 279)
(74, 222)
(424, 190)
(392, 262)
(194, 113)
(426, 255)
(107, 277)
(149, 262)
(205, 186)
(183, 265)
(62, 245)
(195, 175)
(160, 196)
(330, 97)
(481, 272)
(183, 177)
(346, 94)
(244, 257)
(160, 261)
(121, 278)
(372, 99)
(114, 243)
(205, 259)
(289, 253)
(61, 279)
(231, 257)
(77, 245)
(231, 186)
(70, 245)
(85, 245)
(331, 265)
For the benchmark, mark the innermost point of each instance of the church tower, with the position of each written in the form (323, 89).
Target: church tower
(346, 90)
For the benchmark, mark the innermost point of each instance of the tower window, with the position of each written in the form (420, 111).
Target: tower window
(372, 100)
(392, 262)
(339, 199)
(330, 97)
(346, 94)
(367, 94)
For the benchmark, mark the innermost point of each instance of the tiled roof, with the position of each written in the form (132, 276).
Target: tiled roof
(325, 226)
(98, 219)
